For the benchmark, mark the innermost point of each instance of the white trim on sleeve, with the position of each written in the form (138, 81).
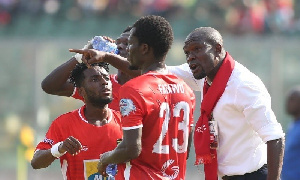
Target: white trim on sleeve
(132, 127)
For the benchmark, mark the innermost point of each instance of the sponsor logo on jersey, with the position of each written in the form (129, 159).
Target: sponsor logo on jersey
(91, 170)
(126, 107)
(170, 88)
(84, 148)
(166, 166)
(48, 141)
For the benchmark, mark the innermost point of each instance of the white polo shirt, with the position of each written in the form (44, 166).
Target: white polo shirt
(184, 72)
(245, 122)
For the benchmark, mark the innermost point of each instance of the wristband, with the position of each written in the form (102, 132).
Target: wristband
(55, 152)
(78, 57)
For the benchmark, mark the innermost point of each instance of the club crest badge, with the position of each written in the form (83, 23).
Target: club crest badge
(126, 107)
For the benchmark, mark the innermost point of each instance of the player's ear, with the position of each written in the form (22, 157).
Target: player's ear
(81, 91)
(145, 48)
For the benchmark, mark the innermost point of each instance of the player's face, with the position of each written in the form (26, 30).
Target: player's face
(122, 43)
(199, 56)
(97, 88)
(133, 51)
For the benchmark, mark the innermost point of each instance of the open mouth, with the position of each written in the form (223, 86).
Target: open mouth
(193, 67)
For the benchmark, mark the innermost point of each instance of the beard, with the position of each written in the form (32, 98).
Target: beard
(200, 76)
(97, 101)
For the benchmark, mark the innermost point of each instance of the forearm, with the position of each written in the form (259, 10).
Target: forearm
(42, 159)
(189, 143)
(120, 155)
(275, 158)
(57, 81)
(122, 64)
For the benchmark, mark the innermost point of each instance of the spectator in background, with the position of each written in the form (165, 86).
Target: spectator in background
(291, 161)
(279, 15)
(79, 137)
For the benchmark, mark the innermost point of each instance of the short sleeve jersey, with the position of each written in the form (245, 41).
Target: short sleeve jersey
(115, 93)
(95, 141)
(163, 105)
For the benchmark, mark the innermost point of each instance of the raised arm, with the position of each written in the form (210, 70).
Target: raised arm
(94, 56)
(275, 158)
(57, 83)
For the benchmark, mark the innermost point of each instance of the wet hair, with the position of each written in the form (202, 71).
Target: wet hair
(128, 28)
(77, 75)
(155, 31)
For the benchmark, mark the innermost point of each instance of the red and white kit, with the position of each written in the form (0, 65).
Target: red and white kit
(95, 141)
(163, 105)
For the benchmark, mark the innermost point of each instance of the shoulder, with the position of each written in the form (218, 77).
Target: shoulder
(243, 78)
(246, 88)
(66, 117)
(136, 84)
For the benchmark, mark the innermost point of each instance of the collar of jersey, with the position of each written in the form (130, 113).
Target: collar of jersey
(81, 114)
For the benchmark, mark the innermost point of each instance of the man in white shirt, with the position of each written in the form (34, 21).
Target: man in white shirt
(249, 135)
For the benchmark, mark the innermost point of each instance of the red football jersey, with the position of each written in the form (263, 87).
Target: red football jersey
(163, 105)
(115, 93)
(95, 141)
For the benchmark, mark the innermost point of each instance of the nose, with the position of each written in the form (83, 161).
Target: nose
(104, 81)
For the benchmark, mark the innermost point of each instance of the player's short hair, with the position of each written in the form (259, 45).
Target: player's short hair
(155, 31)
(209, 34)
(128, 28)
(77, 75)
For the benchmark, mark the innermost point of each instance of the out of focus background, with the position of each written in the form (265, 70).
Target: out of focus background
(35, 36)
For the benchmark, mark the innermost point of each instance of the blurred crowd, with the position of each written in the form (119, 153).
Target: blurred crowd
(237, 16)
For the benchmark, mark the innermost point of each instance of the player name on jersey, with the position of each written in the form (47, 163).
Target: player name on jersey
(170, 88)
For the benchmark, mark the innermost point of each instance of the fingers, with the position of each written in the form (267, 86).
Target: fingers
(108, 39)
(93, 60)
(90, 56)
(85, 61)
(76, 142)
(80, 51)
(72, 145)
(102, 169)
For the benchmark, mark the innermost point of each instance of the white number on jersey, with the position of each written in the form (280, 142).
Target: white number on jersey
(158, 147)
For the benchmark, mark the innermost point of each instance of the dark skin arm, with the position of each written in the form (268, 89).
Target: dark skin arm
(57, 83)
(189, 143)
(43, 158)
(275, 158)
(129, 148)
(93, 56)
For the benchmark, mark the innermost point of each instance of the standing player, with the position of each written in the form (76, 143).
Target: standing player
(57, 83)
(78, 138)
(156, 107)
